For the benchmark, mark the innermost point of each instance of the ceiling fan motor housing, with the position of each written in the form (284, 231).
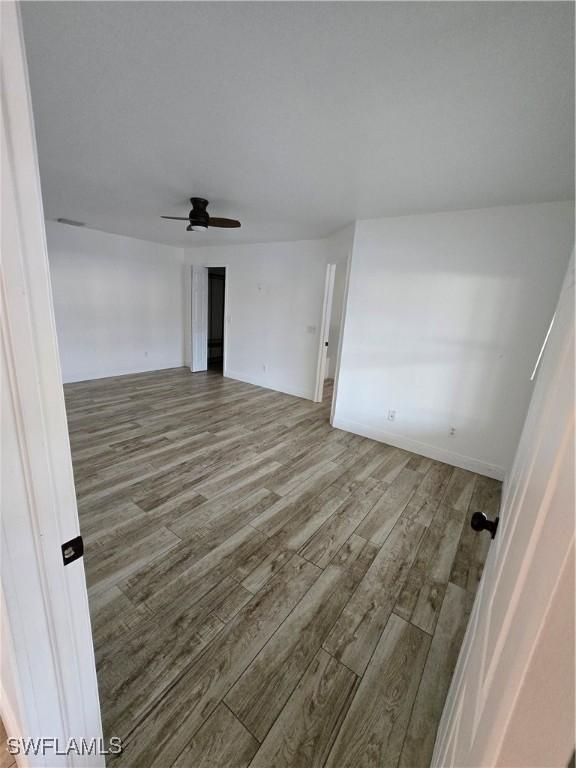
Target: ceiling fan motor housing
(199, 220)
(198, 215)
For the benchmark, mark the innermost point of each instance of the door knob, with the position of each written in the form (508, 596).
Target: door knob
(480, 522)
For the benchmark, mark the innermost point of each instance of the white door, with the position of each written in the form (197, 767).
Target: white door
(48, 674)
(511, 702)
(324, 332)
(199, 335)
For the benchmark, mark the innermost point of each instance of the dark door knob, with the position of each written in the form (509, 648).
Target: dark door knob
(480, 522)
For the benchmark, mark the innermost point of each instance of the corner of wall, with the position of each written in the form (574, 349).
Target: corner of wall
(422, 449)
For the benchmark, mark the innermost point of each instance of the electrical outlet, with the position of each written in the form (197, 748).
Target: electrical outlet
(391, 415)
(452, 432)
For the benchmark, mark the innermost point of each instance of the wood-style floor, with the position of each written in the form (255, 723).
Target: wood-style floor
(266, 590)
(6, 759)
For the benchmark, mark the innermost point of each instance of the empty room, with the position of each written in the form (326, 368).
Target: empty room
(287, 384)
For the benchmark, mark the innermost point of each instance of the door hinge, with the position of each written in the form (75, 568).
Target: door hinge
(72, 550)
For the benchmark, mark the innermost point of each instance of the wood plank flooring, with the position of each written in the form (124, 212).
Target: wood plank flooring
(6, 759)
(266, 590)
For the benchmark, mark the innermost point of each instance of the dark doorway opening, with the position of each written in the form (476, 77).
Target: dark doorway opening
(216, 292)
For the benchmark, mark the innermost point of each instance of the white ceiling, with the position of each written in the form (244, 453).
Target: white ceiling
(297, 117)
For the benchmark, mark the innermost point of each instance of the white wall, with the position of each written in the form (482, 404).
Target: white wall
(274, 307)
(123, 305)
(445, 316)
(119, 303)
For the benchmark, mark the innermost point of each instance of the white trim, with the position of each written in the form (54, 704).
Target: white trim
(225, 323)
(423, 449)
(542, 348)
(294, 391)
(322, 361)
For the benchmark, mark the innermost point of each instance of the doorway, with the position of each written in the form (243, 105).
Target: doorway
(216, 294)
(330, 327)
(323, 359)
(208, 319)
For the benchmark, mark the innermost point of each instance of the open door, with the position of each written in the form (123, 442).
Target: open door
(199, 335)
(324, 332)
(511, 702)
(48, 675)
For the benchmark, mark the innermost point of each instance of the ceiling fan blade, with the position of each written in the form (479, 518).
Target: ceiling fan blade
(225, 223)
(176, 218)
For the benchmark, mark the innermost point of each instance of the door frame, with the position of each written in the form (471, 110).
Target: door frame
(193, 368)
(347, 265)
(224, 319)
(49, 685)
(324, 335)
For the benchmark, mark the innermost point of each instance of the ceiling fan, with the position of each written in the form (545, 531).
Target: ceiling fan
(199, 220)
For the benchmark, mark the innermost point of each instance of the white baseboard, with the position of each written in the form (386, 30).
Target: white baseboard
(90, 375)
(304, 394)
(423, 449)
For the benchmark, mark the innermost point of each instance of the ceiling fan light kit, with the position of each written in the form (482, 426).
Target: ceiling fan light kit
(199, 220)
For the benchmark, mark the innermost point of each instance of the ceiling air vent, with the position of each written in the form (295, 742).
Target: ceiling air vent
(71, 222)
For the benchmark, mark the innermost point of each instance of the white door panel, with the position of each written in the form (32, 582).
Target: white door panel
(49, 686)
(199, 333)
